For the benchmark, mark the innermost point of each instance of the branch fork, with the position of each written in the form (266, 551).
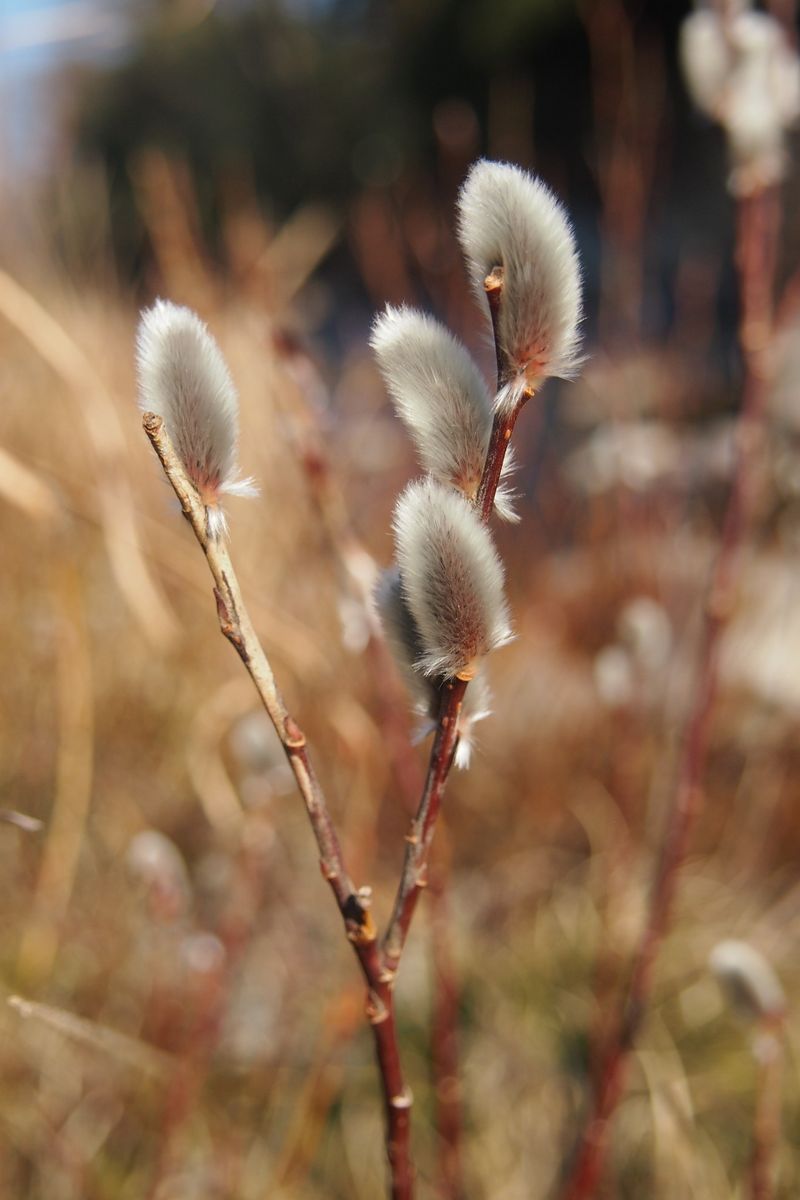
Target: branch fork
(379, 962)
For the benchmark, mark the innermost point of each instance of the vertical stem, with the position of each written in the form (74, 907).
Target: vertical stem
(444, 1046)
(757, 224)
(768, 1053)
(502, 429)
(204, 1001)
(505, 417)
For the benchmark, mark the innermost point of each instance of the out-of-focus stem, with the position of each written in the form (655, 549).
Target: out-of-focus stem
(205, 1003)
(502, 429)
(757, 225)
(444, 1042)
(768, 1053)
(237, 627)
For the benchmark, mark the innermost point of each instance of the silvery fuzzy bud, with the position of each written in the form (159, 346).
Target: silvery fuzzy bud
(509, 219)
(183, 378)
(750, 984)
(441, 396)
(452, 579)
(405, 643)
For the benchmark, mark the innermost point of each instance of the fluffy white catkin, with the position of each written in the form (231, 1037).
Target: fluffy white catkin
(184, 379)
(748, 981)
(404, 641)
(741, 71)
(451, 576)
(440, 395)
(705, 60)
(508, 218)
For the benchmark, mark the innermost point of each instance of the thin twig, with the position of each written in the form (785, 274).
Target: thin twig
(444, 1039)
(756, 236)
(415, 866)
(353, 905)
(203, 1002)
(504, 422)
(768, 1053)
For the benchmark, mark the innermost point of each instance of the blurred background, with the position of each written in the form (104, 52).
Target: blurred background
(191, 1017)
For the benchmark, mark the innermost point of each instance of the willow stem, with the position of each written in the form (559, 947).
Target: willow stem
(768, 1053)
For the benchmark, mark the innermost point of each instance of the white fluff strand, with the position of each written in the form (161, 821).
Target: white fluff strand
(509, 219)
(183, 378)
(476, 707)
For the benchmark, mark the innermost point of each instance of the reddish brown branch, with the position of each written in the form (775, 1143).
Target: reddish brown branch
(756, 237)
(768, 1053)
(444, 1042)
